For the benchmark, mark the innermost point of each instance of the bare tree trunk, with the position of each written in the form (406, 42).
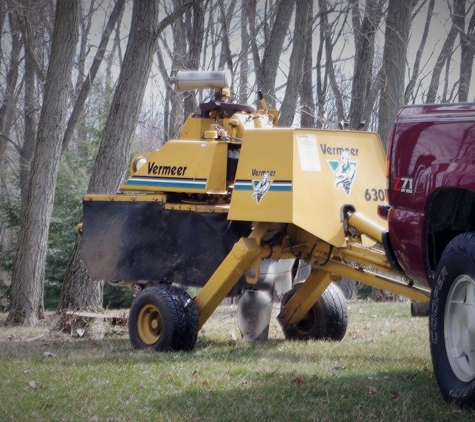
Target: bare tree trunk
(195, 26)
(9, 100)
(330, 68)
(27, 149)
(266, 72)
(307, 103)
(176, 98)
(226, 58)
(394, 63)
(30, 258)
(79, 290)
(3, 13)
(446, 52)
(243, 61)
(86, 21)
(417, 63)
(364, 34)
(87, 83)
(297, 59)
(467, 44)
(322, 81)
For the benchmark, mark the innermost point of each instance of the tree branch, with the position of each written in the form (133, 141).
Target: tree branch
(11, 141)
(164, 23)
(29, 51)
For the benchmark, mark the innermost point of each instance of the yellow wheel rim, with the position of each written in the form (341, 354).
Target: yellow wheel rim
(149, 324)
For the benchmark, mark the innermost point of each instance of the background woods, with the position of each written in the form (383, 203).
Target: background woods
(84, 85)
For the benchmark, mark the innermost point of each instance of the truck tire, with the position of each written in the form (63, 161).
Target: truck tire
(452, 321)
(162, 318)
(327, 319)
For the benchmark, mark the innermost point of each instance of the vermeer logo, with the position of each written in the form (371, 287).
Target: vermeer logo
(166, 170)
(344, 172)
(261, 187)
(327, 150)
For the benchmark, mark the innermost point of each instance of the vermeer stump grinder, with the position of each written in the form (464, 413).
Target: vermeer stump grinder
(240, 206)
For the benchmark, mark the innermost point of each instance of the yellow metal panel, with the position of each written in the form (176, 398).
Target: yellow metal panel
(263, 184)
(331, 169)
(195, 127)
(183, 166)
(306, 176)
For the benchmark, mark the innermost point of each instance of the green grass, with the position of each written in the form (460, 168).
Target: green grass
(380, 371)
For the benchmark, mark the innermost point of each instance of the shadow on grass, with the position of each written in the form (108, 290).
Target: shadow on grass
(286, 396)
(237, 381)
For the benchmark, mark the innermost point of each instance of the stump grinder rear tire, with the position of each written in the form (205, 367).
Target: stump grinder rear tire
(163, 318)
(326, 320)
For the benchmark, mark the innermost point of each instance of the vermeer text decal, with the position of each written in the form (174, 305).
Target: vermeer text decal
(166, 170)
(327, 150)
(256, 172)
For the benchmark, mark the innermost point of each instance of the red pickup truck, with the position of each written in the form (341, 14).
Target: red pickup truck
(431, 193)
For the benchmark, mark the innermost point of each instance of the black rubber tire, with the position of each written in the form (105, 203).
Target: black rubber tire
(337, 313)
(162, 318)
(452, 304)
(326, 320)
(187, 331)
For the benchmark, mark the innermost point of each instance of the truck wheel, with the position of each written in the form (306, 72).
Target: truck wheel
(160, 319)
(452, 321)
(327, 319)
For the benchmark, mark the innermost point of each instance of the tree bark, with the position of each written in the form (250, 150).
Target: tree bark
(10, 99)
(446, 52)
(27, 149)
(87, 83)
(364, 34)
(322, 81)
(297, 59)
(307, 103)
(30, 258)
(3, 13)
(266, 72)
(417, 63)
(329, 67)
(394, 63)
(467, 44)
(243, 61)
(226, 58)
(196, 20)
(79, 290)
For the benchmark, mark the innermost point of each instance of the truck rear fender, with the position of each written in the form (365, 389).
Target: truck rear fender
(448, 212)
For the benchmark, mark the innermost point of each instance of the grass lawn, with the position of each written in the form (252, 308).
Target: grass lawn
(380, 371)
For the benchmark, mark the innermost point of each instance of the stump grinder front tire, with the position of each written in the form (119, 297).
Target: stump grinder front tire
(452, 321)
(163, 318)
(326, 320)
